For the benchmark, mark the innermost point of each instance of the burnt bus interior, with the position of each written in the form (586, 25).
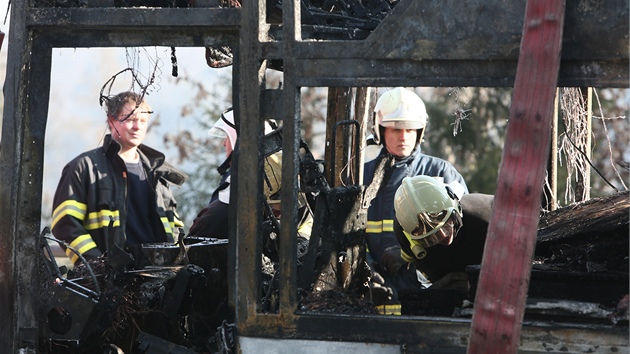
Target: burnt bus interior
(378, 44)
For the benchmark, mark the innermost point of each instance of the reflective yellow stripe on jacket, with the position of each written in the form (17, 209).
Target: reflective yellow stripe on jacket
(69, 207)
(168, 225)
(306, 228)
(376, 227)
(81, 244)
(94, 220)
(102, 219)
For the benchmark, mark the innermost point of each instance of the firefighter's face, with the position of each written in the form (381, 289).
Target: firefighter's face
(228, 147)
(447, 233)
(130, 127)
(400, 142)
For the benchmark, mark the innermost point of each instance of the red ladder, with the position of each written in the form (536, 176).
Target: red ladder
(506, 266)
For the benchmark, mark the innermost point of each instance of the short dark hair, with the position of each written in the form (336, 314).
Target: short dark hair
(116, 103)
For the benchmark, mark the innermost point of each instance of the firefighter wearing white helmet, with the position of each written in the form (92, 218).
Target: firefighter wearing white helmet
(439, 230)
(400, 121)
(399, 109)
(211, 220)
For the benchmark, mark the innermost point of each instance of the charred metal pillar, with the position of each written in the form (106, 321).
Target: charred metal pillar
(21, 168)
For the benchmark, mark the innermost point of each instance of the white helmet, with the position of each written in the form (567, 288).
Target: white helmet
(423, 205)
(224, 127)
(401, 109)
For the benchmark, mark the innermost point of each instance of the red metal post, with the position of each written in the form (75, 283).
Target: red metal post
(505, 270)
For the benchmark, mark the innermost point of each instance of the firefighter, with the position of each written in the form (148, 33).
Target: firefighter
(400, 118)
(271, 224)
(438, 230)
(211, 221)
(117, 195)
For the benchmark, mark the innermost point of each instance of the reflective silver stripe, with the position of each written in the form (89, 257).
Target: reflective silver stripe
(167, 225)
(375, 227)
(69, 207)
(102, 219)
(81, 244)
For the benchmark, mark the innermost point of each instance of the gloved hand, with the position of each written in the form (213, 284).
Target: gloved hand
(379, 292)
(391, 260)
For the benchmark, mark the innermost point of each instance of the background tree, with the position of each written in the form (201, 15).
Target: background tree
(611, 135)
(199, 155)
(467, 128)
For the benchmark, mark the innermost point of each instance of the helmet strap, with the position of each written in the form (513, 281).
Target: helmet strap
(419, 137)
(381, 135)
(225, 165)
(458, 223)
(416, 247)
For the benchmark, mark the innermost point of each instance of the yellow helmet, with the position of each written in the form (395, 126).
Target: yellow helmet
(423, 205)
(401, 109)
(273, 174)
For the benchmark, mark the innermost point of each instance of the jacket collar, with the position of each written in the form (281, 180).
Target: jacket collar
(154, 159)
(402, 160)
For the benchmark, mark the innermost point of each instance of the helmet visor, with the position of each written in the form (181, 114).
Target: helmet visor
(428, 225)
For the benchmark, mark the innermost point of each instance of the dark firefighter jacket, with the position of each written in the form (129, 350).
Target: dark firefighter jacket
(380, 225)
(89, 207)
(466, 248)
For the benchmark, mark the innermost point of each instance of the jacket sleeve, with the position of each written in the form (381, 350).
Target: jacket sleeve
(211, 221)
(452, 175)
(70, 212)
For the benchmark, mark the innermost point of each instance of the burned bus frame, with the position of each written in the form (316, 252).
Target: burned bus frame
(420, 43)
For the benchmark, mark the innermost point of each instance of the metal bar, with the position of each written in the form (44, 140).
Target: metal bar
(450, 73)
(191, 37)
(22, 145)
(290, 164)
(248, 186)
(436, 334)
(132, 18)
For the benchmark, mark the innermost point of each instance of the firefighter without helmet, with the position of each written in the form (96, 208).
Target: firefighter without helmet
(399, 108)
